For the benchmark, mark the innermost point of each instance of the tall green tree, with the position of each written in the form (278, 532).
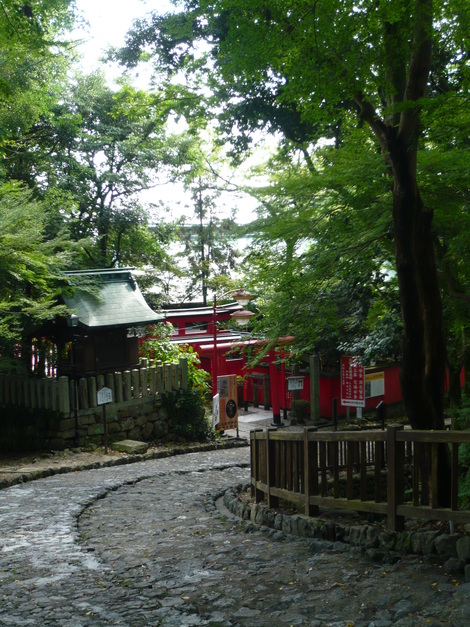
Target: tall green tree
(34, 53)
(208, 239)
(443, 167)
(31, 264)
(322, 259)
(338, 64)
(97, 150)
(209, 248)
(33, 60)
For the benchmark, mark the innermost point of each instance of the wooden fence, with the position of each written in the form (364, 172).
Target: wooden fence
(379, 472)
(66, 395)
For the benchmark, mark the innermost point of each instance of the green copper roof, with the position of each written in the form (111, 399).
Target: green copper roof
(116, 300)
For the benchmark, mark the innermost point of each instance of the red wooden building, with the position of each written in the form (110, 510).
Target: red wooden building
(268, 382)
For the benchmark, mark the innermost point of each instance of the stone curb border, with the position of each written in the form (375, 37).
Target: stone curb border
(41, 473)
(452, 551)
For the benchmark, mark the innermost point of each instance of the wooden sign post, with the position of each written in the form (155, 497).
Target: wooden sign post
(104, 396)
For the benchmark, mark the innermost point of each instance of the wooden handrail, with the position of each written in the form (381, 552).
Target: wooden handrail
(364, 471)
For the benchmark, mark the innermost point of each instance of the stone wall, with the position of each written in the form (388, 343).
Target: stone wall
(452, 549)
(28, 430)
(39, 414)
(146, 422)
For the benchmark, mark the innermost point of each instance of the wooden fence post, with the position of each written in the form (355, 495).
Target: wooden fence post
(110, 384)
(159, 377)
(273, 501)
(174, 372)
(255, 444)
(314, 363)
(183, 373)
(7, 394)
(24, 391)
(135, 373)
(167, 377)
(309, 466)
(454, 495)
(92, 400)
(127, 385)
(54, 395)
(82, 393)
(72, 395)
(48, 393)
(144, 373)
(33, 389)
(152, 380)
(118, 390)
(395, 478)
(64, 396)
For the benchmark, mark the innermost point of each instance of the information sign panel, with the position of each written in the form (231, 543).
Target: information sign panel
(105, 395)
(295, 383)
(352, 382)
(228, 406)
(375, 384)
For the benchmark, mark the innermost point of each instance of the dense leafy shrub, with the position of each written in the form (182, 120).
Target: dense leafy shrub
(300, 410)
(157, 345)
(187, 417)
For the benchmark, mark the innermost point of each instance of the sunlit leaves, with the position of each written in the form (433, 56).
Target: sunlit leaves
(30, 266)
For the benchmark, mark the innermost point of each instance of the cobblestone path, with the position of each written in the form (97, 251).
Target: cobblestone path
(148, 544)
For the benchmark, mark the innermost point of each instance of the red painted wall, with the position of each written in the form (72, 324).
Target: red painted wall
(329, 384)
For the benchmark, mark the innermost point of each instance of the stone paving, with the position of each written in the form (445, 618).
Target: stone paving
(151, 544)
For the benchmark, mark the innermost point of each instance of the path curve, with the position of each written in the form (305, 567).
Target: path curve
(144, 544)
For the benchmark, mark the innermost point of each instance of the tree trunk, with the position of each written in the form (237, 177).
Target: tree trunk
(424, 342)
(424, 345)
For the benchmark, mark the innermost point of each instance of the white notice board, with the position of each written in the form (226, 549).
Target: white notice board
(103, 396)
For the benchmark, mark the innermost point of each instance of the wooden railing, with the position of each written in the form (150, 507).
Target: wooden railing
(147, 382)
(379, 472)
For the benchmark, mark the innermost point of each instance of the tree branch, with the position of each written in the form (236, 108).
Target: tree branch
(419, 68)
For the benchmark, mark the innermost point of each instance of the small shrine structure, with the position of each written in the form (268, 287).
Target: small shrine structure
(108, 313)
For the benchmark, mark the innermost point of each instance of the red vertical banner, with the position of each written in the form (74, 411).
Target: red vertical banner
(352, 382)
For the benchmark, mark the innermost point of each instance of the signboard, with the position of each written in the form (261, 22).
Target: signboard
(375, 384)
(295, 383)
(228, 407)
(352, 382)
(105, 395)
(215, 411)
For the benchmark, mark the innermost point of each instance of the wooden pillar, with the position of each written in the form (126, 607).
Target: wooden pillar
(64, 396)
(310, 453)
(118, 387)
(127, 385)
(395, 478)
(92, 399)
(273, 501)
(275, 401)
(183, 373)
(314, 388)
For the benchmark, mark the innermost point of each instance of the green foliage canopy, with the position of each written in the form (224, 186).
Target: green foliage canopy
(335, 65)
(30, 268)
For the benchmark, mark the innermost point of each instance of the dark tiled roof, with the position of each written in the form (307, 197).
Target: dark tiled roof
(118, 301)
